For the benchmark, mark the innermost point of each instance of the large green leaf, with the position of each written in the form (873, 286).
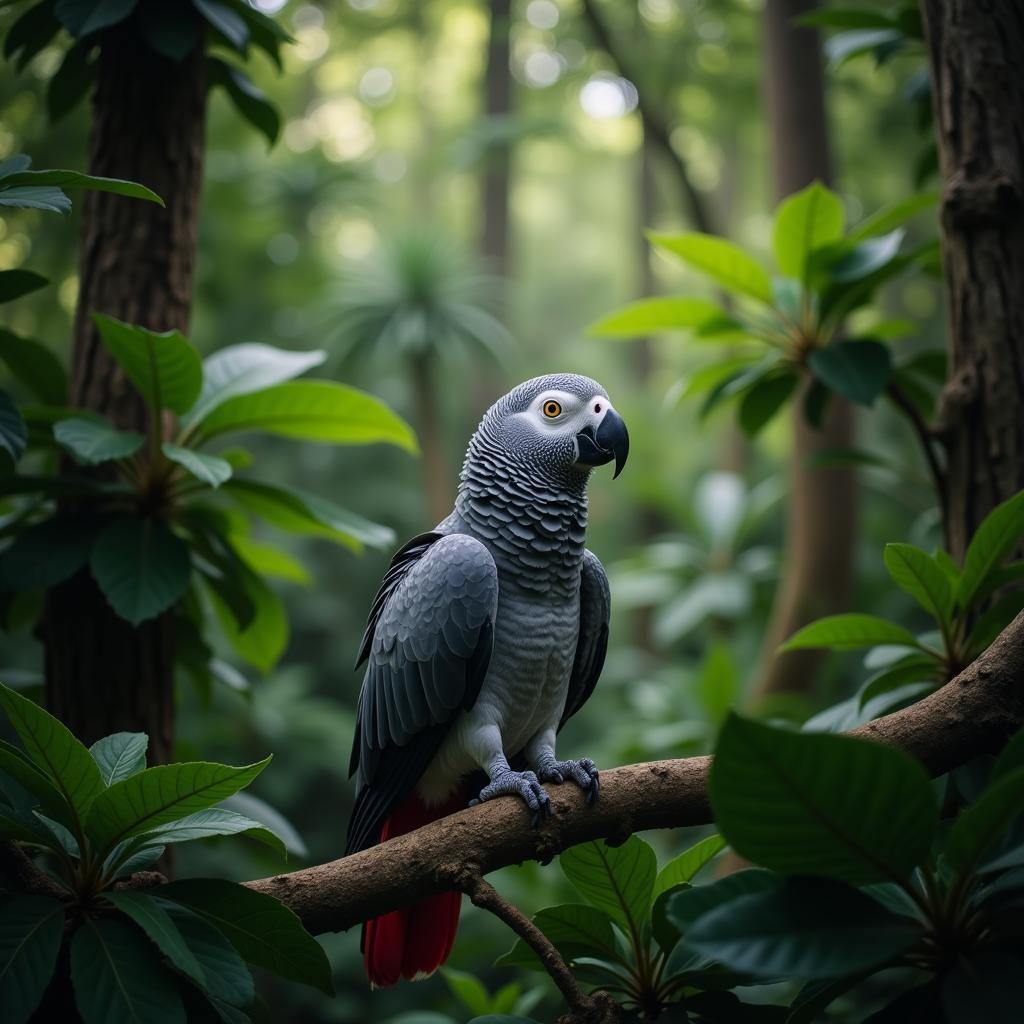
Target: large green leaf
(159, 795)
(892, 216)
(242, 369)
(210, 469)
(46, 553)
(265, 638)
(865, 258)
(16, 766)
(270, 818)
(805, 928)
(618, 880)
(118, 979)
(574, 929)
(13, 432)
(806, 221)
(120, 755)
(75, 179)
(724, 262)
(51, 746)
(849, 632)
(647, 315)
(684, 867)
(916, 572)
(141, 567)
(164, 367)
(215, 821)
(16, 283)
(92, 441)
(688, 905)
(858, 370)
(998, 532)
(82, 17)
(980, 825)
(248, 100)
(31, 928)
(314, 410)
(308, 514)
(261, 928)
(764, 399)
(35, 366)
(818, 804)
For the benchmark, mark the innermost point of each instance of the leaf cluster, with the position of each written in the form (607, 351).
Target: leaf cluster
(98, 815)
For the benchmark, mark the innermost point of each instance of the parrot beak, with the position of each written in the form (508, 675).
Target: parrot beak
(610, 441)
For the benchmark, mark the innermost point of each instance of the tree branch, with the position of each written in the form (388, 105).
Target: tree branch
(655, 125)
(974, 713)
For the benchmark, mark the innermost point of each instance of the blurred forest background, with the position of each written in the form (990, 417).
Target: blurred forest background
(458, 190)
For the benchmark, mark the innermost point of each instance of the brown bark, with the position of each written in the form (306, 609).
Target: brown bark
(136, 263)
(436, 479)
(494, 242)
(821, 511)
(978, 102)
(975, 713)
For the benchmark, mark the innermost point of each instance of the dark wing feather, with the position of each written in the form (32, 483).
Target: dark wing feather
(427, 649)
(592, 644)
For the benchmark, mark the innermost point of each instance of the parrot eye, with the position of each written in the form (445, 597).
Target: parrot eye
(552, 409)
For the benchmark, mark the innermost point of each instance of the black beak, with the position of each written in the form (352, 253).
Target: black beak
(610, 441)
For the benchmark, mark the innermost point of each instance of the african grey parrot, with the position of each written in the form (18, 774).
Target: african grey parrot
(486, 635)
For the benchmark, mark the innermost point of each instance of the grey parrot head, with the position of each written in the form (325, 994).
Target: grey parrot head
(561, 422)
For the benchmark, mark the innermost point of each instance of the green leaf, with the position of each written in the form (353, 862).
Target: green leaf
(846, 45)
(28, 36)
(35, 366)
(818, 804)
(31, 928)
(81, 17)
(209, 469)
(982, 986)
(574, 929)
(308, 514)
(313, 410)
(46, 554)
(33, 198)
(760, 404)
(865, 258)
(249, 101)
(684, 867)
(267, 560)
(911, 670)
(215, 822)
(265, 638)
(70, 84)
(806, 221)
(16, 766)
(922, 577)
(120, 755)
(166, 31)
(118, 979)
(229, 24)
(15, 283)
(981, 824)
(242, 369)
(689, 905)
(163, 794)
(54, 750)
(92, 441)
(618, 880)
(805, 928)
(858, 370)
(648, 315)
(722, 261)
(892, 216)
(269, 817)
(151, 915)
(13, 432)
(469, 990)
(996, 535)
(141, 567)
(263, 930)
(164, 367)
(848, 632)
(74, 179)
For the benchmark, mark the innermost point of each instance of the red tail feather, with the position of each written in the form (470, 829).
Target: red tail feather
(413, 942)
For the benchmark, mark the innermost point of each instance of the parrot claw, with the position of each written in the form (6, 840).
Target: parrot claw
(583, 772)
(526, 786)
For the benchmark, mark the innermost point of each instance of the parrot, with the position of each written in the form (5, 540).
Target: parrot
(485, 636)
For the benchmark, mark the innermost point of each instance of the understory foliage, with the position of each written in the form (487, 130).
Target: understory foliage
(96, 816)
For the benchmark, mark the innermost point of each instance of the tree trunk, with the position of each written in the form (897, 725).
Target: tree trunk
(978, 102)
(136, 263)
(494, 242)
(821, 513)
(436, 480)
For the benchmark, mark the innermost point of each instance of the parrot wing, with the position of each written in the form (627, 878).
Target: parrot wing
(592, 644)
(427, 645)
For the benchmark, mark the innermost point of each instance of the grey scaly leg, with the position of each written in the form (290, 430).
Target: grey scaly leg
(541, 754)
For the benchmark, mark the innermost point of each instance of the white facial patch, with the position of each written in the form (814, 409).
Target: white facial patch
(574, 413)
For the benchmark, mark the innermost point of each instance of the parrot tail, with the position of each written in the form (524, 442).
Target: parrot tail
(413, 942)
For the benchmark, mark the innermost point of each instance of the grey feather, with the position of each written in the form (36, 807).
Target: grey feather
(595, 613)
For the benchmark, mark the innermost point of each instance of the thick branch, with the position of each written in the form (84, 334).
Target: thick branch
(655, 125)
(973, 714)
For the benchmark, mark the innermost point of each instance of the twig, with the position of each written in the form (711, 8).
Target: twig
(925, 436)
(654, 123)
(19, 873)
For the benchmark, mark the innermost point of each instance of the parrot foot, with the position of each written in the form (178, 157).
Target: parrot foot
(583, 772)
(525, 785)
